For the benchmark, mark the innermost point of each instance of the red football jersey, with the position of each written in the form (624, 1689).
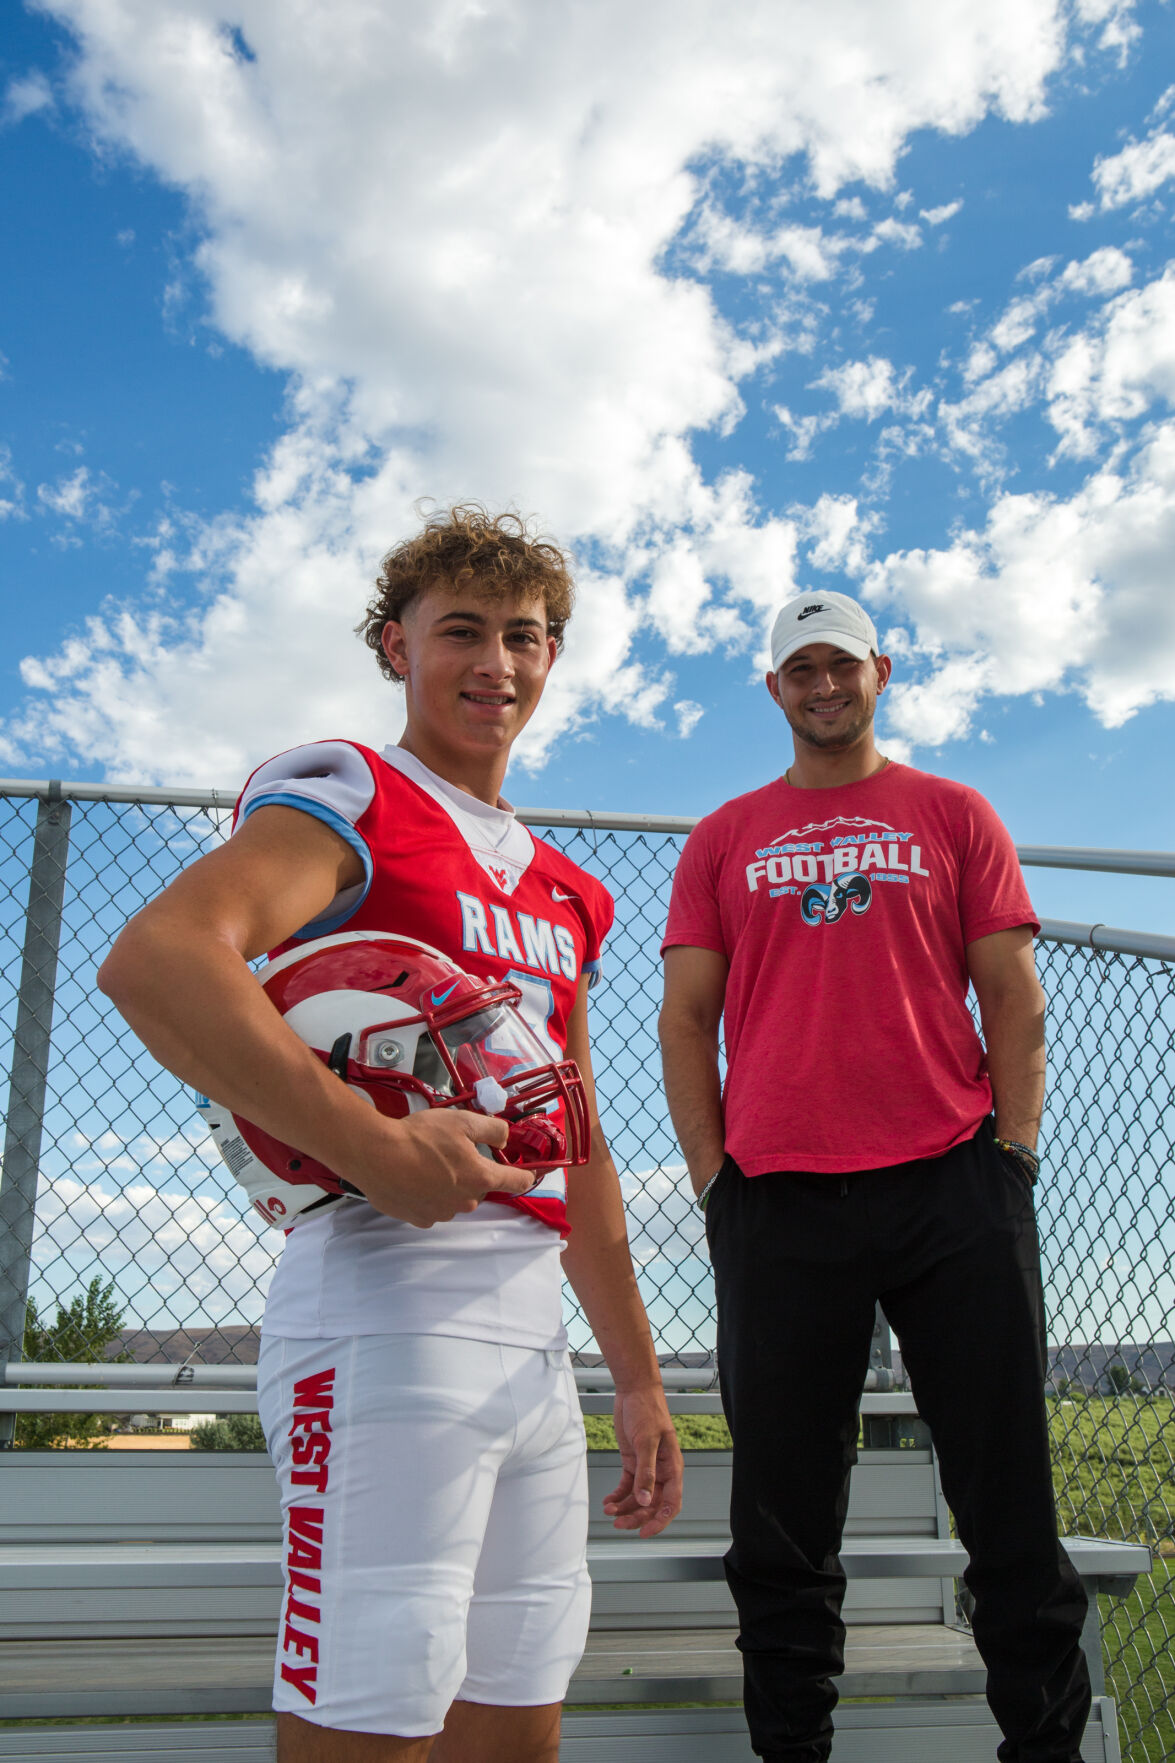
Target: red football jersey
(539, 923)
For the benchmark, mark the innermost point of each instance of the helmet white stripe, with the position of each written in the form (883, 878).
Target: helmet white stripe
(349, 936)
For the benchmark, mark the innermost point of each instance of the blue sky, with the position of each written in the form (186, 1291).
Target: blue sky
(760, 301)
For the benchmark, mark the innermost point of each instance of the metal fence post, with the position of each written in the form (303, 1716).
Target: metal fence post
(29, 1075)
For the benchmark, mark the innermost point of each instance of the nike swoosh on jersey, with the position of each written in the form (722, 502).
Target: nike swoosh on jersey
(556, 895)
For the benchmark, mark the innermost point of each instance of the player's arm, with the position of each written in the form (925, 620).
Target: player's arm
(695, 988)
(1011, 1008)
(179, 975)
(598, 1263)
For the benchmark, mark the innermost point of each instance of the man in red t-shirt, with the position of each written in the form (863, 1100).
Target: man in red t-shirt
(834, 920)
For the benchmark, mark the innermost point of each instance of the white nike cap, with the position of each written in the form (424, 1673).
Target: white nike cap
(822, 618)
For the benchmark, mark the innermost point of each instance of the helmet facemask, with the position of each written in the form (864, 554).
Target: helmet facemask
(486, 1058)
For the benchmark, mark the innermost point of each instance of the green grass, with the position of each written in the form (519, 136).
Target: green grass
(1140, 1671)
(696, 1432)
(1114, 1466)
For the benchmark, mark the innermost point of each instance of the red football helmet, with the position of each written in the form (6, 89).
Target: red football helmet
(409, 1029)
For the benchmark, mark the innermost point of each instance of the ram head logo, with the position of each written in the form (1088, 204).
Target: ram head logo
(832, 900)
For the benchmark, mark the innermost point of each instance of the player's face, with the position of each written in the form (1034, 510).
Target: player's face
(474, 668)
(828, 696)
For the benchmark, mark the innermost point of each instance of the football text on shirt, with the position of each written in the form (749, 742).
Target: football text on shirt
(532, 942)
(809, 863)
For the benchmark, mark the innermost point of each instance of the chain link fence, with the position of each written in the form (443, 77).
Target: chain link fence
(108, 1176)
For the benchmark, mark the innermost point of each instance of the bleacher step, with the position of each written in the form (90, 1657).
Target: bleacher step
(963, 1732)
(82, 1679)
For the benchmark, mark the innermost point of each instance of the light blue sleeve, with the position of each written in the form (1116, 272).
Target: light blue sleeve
(332, 782)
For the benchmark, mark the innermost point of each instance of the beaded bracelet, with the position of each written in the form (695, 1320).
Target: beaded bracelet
(705, 1193)
(1024, 1155)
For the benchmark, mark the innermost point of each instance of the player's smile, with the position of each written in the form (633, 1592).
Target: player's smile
(490, 700)
(828, 695)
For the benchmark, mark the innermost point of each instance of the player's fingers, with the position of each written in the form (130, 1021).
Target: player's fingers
(505, 1179)
(656, 1524)
(621, 1496)
(486, 1129)
(673, 1479)
(645, 1479)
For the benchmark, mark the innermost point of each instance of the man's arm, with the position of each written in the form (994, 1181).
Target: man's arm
(695, 987)
(1011, 1009)
(179, 975)
(598, 1263)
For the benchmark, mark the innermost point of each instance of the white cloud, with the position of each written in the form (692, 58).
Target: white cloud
(688, 716)
(172, 1253)
(981, 360)
(866, 389)
(837, 533)
(901, 233)
(25, 96)
(741, 248)
(1051, 595)
(449, 228)
(1016, 325)
(662, 1217)
(1116, 369)
(1136, 172)
(936, 216)
(1102, 272)
(1119, 28)
(728, 545)
(804, 430)
(72, 497)
(1060, 368)
(80, 500)
(12, 501)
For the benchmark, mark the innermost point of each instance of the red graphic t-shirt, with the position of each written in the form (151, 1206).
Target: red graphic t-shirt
(845, 916)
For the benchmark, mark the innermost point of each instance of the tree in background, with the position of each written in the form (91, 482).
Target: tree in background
(236, 1432)
(1120, 1381)
(80, 1335)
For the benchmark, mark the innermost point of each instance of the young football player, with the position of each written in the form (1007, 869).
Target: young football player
(414, 1382)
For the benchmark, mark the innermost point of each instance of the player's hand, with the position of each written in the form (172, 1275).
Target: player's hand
(648, 1495)
(427, 1168)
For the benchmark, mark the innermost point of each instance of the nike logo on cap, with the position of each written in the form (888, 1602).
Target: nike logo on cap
(807, 612)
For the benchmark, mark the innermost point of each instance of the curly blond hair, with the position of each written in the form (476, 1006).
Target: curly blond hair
(497, 554)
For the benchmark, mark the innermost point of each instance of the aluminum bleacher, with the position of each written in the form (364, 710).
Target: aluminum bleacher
(149, 1585)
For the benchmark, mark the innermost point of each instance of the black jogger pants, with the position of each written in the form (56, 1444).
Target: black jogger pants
(949, 1247)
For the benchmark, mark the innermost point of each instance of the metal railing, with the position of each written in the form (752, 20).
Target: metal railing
(117, 1218)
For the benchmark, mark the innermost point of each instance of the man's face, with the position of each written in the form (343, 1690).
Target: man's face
(474, 667)
(828, 696)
